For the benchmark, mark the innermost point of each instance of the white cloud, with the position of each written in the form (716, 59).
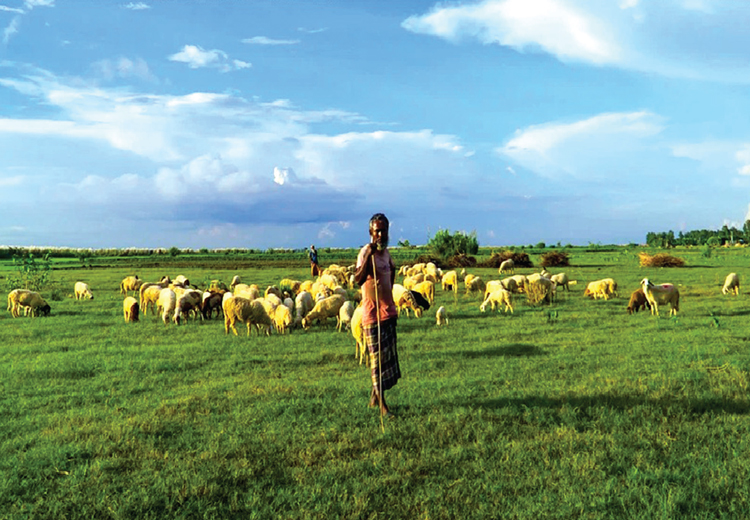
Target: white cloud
(283, 176)
(11, 29)
(123, 67)
(263, 40)
(557, 28)
(137, 6)
(31, 4)
(195, 57)
(14, 180)
(655, 37)
(11, 9)
(312, 31)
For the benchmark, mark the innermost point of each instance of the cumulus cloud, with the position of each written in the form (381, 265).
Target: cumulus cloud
(657, 37)
(263, 40)
(195, 57)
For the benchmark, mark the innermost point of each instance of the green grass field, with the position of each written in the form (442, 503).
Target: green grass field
(574, 410)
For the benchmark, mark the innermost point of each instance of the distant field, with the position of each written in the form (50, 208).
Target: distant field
(574, 410)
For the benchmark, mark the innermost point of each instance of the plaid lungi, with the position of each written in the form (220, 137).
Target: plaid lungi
(388, 367)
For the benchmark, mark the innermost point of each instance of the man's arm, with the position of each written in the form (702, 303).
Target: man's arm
(365, 268)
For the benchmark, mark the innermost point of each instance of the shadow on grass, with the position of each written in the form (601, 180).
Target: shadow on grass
(622, 402)
(511, 350)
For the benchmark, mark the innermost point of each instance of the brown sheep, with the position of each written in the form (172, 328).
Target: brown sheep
(637, 302)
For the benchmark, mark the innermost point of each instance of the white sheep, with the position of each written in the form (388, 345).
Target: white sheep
(449, 282)
(497, 297)
(150, 297)
(249, 312)
(32, 303)
(404, 300)
(426, 289)
(130, 283)
(540, 285)
(324, 309)
(250, 292)
(82, 291)
(358, 333)
(506, 267)
(661, 294)
(166, 304)
(189, 301)
(441, 316)
(474, 284)
(731, 284)
(235, 280)
(561, 280)
(344, 318)
(282, 319)
(130, 309)
(601, 289)
(303, 304)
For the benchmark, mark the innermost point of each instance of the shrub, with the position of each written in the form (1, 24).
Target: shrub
(519, 259)
(461, 260)
(660, 260)
(31, 274)
(445, 245)
(555, 259)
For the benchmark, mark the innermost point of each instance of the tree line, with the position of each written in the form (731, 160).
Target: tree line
(700, 237)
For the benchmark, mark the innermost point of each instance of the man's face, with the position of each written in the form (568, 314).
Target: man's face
(379, 234)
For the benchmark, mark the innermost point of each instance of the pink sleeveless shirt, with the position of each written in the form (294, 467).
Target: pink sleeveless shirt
(387, 309)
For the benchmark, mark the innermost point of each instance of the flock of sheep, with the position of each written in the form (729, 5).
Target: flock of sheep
(301, 304)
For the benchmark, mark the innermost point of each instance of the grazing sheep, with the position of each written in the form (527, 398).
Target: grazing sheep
(540, 285)
(130, 283)
(731, 284)
(510, 284)
(404, 300)
(344, 318)
(166, 304)
(410, 281)
(82, 291)
(497, 297)
(441, 316)
(272, 289)
(130, 309)
(521, 281)
(181, 281)
(561, 280)
(661, 294)
(235, 280)
(150, 297)
(491, 286)
(475, 284)
(426, 289)
(637, 301)
(303, 304)
(282, 319)
(250, 292)
(189, 301)
(359, 338)
(506, 267)
(450, 282)
(249, 312)
(601, 289)
(32, 303)
(290, 286)
(324, 309)
(217, 285)
(211, 302)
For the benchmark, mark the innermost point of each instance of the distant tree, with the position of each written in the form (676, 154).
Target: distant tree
(445, 245)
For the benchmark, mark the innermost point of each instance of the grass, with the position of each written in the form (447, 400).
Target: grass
(574, 410)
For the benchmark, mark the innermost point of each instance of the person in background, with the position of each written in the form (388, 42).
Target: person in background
(314, 267)
(379, 312)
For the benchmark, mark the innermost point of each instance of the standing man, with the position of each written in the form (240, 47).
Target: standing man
(379, 312)
(314, 267)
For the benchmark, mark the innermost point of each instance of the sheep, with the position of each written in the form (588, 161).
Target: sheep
(249, 312)
(561, 280)
(358, 333)
(538, 284)
(506, 267)
(410, 281)
(441, 316)
(601, 289)
(181, 280)
(166, 304)
(344, 318)
(303, 304)
(426, 289)
(499, 296)
(282, 319)
(217, 285)
(188, 301)
(637, 301)
(290, 286)
(272, 289)
(510, 284)
(130, 309)
(150, 297)
(250, 292)
(404, 300)
(82, 291)
(450, 282)
(492, 286)
(211, 301)
(521, 281)
(661, 294)
(475, 284)
(306, 285)
(235, 280)
(31, 301)
(324, 309)
(130, 283)
(731, 284)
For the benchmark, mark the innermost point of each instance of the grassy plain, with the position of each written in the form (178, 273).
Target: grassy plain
(574, 410)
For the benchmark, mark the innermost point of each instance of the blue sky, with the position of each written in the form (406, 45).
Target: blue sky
(283, 123)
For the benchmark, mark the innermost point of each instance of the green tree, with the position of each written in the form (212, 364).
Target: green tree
(30, 273)
(444, 244)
